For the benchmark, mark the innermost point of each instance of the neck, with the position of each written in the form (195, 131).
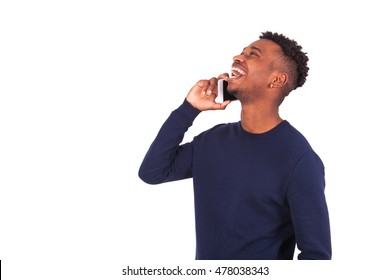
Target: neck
(257, 118)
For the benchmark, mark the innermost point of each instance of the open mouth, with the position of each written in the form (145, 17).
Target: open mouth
(237, 73)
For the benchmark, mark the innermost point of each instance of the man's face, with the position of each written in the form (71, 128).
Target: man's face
(253, 69)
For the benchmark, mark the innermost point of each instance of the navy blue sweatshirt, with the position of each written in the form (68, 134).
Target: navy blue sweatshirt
(256, 195)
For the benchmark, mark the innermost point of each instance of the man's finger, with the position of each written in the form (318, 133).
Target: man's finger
(221, 106)
(223, 76)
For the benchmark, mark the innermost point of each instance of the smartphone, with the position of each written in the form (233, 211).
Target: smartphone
(223, 94)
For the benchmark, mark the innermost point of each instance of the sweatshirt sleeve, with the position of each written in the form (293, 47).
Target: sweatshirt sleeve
(309, 210)
(167, 160)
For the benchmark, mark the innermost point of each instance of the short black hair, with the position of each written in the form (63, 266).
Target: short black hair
(295, 59)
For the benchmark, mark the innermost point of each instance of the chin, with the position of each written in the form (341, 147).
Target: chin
(234, 92)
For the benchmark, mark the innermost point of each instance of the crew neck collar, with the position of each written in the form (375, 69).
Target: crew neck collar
(263, 134)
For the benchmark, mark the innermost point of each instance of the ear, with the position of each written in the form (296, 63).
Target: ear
(279, 80)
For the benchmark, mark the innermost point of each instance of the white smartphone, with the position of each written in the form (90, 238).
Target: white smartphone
(223, 94)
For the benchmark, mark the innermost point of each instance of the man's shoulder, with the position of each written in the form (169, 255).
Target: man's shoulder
(222, 129)
(295, 135)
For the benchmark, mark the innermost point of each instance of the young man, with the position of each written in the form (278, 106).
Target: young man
(258, 184)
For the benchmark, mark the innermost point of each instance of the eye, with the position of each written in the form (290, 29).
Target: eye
(254, 53)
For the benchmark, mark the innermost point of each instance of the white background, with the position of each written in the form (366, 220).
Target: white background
(85, 86)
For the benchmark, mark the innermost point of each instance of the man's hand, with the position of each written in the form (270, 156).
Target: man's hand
(202, 95)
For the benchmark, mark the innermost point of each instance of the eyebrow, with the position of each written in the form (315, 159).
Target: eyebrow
(253, 48)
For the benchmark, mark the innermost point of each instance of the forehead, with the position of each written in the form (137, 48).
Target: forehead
(265, 46)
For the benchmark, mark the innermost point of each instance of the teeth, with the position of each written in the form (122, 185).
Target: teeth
(238, 71)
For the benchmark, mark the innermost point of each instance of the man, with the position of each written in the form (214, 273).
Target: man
(258, 184)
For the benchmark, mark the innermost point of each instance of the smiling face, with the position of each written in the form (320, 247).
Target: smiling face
(254, 70)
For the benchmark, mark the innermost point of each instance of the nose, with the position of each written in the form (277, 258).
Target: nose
(238, 58)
